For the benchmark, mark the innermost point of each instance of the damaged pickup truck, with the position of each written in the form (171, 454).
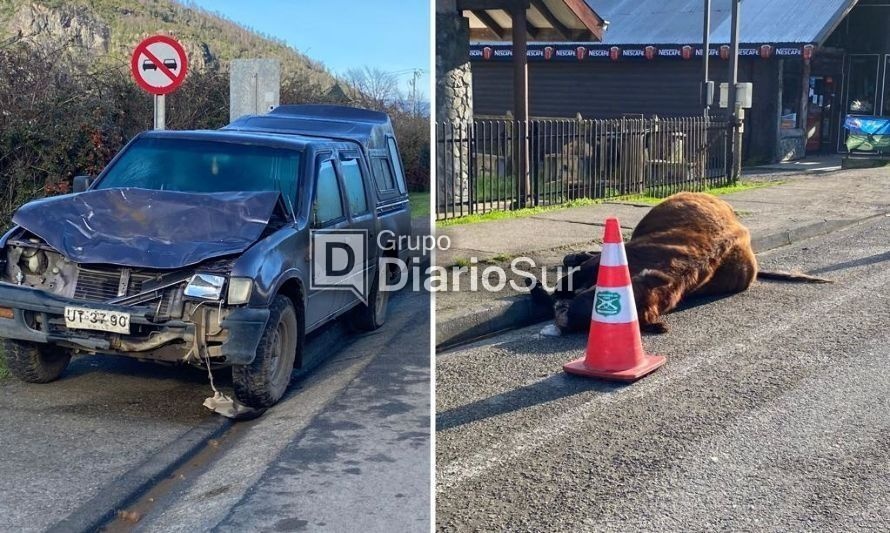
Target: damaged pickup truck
(195, 247)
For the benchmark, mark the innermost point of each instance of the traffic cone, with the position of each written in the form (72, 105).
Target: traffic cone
(614, 347)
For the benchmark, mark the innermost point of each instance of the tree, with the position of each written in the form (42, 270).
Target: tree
(373, 88)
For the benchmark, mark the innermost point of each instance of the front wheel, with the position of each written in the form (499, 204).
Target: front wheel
(263, 382)
(35, 363)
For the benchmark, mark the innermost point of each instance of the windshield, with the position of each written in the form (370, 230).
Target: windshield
(189, 165)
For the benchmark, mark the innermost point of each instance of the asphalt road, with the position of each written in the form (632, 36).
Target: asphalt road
(63, 444)
(348, 451)
(772, 413)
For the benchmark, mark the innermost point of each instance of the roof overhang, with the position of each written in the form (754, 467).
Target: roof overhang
(548, 20)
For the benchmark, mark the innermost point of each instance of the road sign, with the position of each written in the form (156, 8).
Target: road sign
(159, 64)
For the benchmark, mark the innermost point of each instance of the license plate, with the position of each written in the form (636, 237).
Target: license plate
(86, 318)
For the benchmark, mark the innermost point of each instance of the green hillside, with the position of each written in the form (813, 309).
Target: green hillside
(68, 103)
(105, 32)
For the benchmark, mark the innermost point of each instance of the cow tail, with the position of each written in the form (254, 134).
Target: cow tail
(792, 277)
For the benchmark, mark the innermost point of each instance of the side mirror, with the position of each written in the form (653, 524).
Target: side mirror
(82, 183)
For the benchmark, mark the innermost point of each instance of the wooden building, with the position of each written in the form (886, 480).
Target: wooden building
(812, 62)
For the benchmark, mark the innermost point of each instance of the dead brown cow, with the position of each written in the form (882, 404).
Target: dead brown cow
(689, 244)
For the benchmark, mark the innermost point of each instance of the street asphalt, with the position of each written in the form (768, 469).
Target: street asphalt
(771, 414)
(348, 451)
(349, 444)
(797, 206)
(62, 443)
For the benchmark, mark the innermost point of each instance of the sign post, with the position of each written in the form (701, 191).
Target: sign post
(160, 119)
(159, 65)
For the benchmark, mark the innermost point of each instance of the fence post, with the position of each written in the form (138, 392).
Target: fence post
(521, 140)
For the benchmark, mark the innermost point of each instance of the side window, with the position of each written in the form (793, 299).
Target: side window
(396, 163)
(328, 199)
(355, 187)
(384, 177)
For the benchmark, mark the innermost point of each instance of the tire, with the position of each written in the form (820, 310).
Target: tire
(373, 315)
(263, 382)
(35, 363)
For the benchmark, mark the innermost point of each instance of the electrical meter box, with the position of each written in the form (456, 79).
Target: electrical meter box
(744, 94)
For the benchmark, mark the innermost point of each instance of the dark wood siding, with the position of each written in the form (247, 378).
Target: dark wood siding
(596, 90)
(607, 90)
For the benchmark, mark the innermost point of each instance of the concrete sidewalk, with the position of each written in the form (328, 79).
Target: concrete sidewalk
(804, 205)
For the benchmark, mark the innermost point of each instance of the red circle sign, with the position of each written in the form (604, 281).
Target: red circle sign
(159, 64)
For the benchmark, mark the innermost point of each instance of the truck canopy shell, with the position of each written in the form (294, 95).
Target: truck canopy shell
(366, 127)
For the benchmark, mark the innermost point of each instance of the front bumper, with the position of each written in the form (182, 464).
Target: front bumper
(242, 326)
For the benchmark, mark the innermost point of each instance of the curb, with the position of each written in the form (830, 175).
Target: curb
(123, 491)
(517, 311)
(499, 315)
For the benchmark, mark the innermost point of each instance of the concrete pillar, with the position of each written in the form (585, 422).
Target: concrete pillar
(454, 104)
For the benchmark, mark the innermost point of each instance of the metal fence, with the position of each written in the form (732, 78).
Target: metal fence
(478, 164)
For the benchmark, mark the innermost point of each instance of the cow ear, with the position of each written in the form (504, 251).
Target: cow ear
(651, 279)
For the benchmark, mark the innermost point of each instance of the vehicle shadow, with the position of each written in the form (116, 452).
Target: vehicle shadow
(115, 365)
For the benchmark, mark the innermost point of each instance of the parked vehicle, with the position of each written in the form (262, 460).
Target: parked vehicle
(194, 247)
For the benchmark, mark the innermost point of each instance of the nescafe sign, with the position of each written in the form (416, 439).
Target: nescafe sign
(646, 53)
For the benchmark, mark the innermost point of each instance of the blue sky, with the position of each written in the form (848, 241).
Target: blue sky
(392, 35)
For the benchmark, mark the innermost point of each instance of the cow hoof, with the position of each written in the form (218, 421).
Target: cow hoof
(551, 330)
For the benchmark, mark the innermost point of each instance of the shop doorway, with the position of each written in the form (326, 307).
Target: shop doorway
(863, 93)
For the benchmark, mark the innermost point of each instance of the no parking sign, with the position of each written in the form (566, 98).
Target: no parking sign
(159, 66)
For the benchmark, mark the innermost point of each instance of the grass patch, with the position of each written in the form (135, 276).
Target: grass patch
(420, 204)
(461, 262)
(3, 370)
(655, 196)
(740, 187)
(516, 213)
(650, 197)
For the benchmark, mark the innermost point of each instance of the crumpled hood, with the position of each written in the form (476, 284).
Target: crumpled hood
(147, 228)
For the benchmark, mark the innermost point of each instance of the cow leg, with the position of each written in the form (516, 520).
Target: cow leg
(577, 259)
(577, 279)
(574, 314)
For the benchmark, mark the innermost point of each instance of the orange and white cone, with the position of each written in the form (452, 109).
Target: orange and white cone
(614, 347)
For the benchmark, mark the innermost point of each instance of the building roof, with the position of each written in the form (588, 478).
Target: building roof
(550, 20)
(680, 21)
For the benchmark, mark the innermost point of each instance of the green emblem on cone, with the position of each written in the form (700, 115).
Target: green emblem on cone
(607, 303)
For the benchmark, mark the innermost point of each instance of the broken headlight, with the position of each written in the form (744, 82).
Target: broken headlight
(33, 261)
(205, 286)
(239, 290)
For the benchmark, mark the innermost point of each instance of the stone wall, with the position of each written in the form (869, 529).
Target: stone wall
(454, 103)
